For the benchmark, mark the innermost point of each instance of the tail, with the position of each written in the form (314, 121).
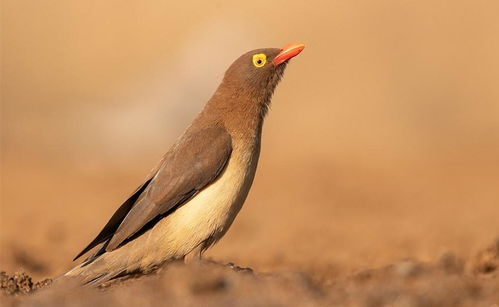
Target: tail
(98, 270)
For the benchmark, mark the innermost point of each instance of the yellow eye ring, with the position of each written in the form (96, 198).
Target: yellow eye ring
(259, 60)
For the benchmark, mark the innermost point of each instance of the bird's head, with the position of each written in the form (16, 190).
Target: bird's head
(256, 74)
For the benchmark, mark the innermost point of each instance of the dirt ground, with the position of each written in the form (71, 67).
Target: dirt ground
(379, 172)
(450, 281)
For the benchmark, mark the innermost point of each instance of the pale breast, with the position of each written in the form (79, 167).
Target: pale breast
(208, 215)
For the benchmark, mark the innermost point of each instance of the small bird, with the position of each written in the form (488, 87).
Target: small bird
(189, 201)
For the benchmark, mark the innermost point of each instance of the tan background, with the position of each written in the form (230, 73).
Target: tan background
(382, 142)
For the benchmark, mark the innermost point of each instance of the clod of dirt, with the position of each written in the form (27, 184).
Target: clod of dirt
(238, 268)
(451, 264)
(487, 261)
(20, 283)
(409, 268)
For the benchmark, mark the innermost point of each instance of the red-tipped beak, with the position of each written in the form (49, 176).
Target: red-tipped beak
(288, 52)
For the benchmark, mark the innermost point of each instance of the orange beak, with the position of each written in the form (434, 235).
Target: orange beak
(288, 52)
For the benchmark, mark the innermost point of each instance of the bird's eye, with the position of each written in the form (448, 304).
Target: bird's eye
(259, 60)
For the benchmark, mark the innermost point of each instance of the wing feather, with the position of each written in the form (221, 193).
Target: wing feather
(194, 162)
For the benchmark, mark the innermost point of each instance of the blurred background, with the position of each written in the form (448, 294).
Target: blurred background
(382, 142)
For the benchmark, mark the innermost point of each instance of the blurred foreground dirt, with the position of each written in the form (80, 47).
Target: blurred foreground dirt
(450, 281)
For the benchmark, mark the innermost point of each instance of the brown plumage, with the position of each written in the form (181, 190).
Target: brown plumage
(191, 198)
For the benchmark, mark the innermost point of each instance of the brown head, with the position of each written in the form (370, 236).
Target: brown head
(250, 81)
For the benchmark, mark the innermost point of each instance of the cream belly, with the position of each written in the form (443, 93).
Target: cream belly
(207, 216)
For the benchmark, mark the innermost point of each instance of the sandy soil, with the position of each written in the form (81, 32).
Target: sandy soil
(450, 281)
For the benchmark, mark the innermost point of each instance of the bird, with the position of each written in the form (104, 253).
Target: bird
(191, 198)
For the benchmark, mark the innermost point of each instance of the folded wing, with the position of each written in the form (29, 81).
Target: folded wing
(194, 162)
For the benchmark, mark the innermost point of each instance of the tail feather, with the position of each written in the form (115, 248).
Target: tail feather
(98, 270)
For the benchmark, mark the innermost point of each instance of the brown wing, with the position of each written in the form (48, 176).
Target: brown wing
(194, 162)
